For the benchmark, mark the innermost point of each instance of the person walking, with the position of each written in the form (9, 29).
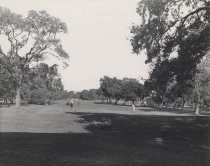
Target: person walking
(72, 103)
(133, 108)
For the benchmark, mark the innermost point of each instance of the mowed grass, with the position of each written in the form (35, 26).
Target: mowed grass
(57, 136)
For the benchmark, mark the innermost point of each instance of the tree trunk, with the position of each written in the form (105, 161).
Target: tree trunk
(110, 101)
(197, 109)
(174, 106)
(167, 105)
(5, 101)
(183, 103)
(182, 107)
(162, 103)
(18, 99)
(197, 105)
(160, 107)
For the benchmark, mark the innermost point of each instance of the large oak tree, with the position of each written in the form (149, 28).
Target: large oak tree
(175, 34)
(31, 39)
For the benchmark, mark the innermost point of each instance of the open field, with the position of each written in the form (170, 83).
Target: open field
(93, 134)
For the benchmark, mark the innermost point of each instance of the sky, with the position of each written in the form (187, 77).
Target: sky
(97, 40)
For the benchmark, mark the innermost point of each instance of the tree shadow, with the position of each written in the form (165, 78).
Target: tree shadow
(146, 127)
(186, 136)
(113, 139)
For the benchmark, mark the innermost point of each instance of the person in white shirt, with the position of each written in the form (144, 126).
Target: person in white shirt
(133, 108)
(71, 103)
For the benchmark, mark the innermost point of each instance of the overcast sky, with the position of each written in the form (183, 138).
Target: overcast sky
(97, 41)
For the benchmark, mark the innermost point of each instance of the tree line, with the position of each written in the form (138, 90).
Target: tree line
(112, 90)
(126, 89)
(42, 83)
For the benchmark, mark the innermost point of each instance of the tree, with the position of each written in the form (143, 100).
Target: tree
(127, 89)
(176, 36)
(116, 89)
(84, 95)
(92, 93)
(77, 95)
(111, 88)
(100, 95)
(47, 77)
(131, 89)
(31, 40)
(105, 87)
(202, 82)
(7, 90)
(39, 96)
(88, 94)
(158, 81)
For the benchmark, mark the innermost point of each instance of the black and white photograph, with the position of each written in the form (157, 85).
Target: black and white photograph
(104, 82)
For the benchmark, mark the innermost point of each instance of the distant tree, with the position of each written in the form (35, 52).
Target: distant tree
(100, 95)
(84, 95)
(31, 40)
(131, 89)
(70, 94)
(116, 89)
(105, 87)
(46, 77)
(77, 95)
(92, 94)
(127, 89)
(57, 91)
(111, 88)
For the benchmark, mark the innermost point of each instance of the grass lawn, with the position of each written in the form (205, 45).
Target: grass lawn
(98, 134)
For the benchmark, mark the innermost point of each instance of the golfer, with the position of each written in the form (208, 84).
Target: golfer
(133, 108)
(71, 103)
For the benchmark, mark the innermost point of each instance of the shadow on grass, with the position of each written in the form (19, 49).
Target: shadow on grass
(114, 139)
(146, 127)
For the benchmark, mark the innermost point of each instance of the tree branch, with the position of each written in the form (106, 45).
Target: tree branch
(192, 13)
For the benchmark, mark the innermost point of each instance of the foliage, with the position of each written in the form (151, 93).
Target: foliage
(126, 89)
(43, 76)
(131, 89)
(39, 77)
(7, 90)
(91, 94)
(111, 87)
(175, 36)
(202, 81)
(39, 96)
(31, 39)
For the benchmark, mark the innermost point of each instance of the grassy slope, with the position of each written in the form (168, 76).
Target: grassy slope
(62, 138)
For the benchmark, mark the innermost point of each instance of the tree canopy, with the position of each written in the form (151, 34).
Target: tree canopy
(175, 36)
(127, 89)
(31, 39)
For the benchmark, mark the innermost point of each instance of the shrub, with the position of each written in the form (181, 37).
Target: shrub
(39, 96)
